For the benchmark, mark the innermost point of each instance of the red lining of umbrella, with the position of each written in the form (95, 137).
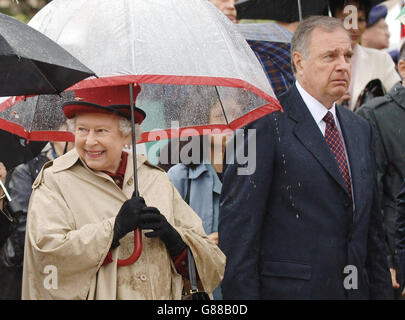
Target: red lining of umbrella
(272, 106)
(147, 136)
(169, 79)
(155, 79)
(10, 102)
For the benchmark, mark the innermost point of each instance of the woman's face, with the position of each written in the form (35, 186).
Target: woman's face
(349, 18)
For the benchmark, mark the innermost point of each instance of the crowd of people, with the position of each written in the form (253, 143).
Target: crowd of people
(321, 217)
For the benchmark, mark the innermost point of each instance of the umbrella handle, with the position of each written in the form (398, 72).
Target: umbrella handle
(137, 250)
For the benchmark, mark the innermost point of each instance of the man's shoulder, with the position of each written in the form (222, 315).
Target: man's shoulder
(384, 103)
(374, 104)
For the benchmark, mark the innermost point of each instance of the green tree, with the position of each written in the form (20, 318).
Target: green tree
(22, 10)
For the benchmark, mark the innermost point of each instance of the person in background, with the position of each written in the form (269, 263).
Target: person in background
(200, 183)
(308, 216)
(387, 117)
(400, 235)
(83, 212)
(367, 64)
(377, 34)
(20, 188)
(227, 7)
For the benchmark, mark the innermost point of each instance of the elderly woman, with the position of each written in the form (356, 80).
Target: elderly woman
(81, 217)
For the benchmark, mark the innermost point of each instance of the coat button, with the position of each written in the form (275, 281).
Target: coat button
(143, 277)
(130, 181)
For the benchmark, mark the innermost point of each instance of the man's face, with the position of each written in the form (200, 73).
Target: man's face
(99, 141)
(325, 72)
(227, 7)
(377, 36)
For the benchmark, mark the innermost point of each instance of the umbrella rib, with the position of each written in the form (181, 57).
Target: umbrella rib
(43, 75)
(222, 106)
(299, 10)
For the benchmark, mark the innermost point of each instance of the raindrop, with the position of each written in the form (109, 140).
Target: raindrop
(297, 216)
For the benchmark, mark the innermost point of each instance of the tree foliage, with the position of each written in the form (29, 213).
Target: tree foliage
(22, 10)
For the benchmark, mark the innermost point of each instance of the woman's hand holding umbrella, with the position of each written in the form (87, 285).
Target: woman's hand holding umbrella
(134, 214)
(128, 218)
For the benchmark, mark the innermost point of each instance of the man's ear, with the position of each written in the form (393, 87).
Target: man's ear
(298, 60)
(401, 68)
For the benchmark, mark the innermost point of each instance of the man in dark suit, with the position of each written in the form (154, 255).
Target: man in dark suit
(305, 224)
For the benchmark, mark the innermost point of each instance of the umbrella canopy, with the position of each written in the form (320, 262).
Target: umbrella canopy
(188, 58)
(184, 54)
(17, 149)
(31, 63)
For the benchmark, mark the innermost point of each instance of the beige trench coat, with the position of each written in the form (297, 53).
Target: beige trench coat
(70, 228)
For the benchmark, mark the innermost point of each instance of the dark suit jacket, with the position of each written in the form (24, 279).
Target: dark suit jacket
(289, 230)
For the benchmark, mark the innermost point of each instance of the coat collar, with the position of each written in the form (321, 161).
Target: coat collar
(194, 173)
(398, 94)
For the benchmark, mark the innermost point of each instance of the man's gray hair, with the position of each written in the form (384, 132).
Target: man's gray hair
(302, 36)
(123, 123)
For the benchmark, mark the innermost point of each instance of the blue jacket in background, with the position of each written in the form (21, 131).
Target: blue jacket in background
(203, 179)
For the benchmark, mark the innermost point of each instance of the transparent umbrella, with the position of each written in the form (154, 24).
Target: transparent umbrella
(185, 55)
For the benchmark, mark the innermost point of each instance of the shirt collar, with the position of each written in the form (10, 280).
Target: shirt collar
(195, 172)
(317, 109)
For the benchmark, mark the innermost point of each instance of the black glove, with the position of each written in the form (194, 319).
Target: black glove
(151, 218)
(127, 219)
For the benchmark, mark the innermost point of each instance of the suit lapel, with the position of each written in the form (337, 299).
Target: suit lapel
(307, 131)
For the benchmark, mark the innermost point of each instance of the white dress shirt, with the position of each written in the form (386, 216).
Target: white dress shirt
(318, 110)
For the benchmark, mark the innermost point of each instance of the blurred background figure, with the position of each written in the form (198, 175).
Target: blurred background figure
(387, 117)
(376, 35)
(400, 239)
(271, 44)
(227, 7)
(20, 188)
(367, 64)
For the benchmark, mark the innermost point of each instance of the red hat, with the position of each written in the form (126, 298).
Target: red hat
(103, 100)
